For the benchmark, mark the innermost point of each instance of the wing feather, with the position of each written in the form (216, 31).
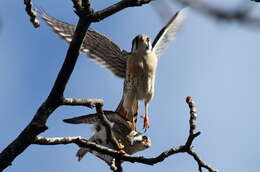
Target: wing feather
(97, 46)
(94, 119)
(168, 32)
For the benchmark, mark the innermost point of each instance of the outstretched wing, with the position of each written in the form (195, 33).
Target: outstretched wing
(168, 32)
(94, 119)
(97, 46)
(89, 119)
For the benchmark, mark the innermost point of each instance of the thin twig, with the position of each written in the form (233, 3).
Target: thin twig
(54, 100)
(192, 121)
(37, 125)
(108, 125)
(118, 164)
(31, 13)
(82, 102)
(193, 134)
(110, 136)
(102, 14)
(82, 142)
(240, 14)
(187, 148)
(77, 5)
(200, 162)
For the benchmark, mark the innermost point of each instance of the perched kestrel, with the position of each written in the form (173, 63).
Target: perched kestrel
(138, 67)
(121, 129)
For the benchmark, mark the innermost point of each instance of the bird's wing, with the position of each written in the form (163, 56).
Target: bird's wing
(168, 32)
(85, 119)
(97, 46)
(94, 119)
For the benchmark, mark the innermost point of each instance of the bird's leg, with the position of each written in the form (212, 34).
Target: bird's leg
(133, 124)
(131, 116)
(121, 146)
(145, 117)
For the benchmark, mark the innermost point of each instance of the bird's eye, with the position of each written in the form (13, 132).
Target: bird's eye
(148, 39)
(145, 137)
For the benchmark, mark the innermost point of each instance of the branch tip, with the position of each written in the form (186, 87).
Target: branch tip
(90, 103)
(29, 134)
(31, 12)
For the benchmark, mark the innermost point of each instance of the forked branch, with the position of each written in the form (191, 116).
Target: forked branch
(31, 13)
(241, 14)
(186, 148)
(55, 97)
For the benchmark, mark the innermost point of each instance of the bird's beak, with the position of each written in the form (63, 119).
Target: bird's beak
(146, 143)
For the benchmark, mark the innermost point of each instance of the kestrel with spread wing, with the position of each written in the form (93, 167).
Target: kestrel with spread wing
(121, 130)
(137, 67)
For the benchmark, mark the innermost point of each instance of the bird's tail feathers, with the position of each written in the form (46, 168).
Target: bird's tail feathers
(81, 153)
(123, 112)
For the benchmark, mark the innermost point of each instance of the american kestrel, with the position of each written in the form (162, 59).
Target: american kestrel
(131, 143)
(138, 67)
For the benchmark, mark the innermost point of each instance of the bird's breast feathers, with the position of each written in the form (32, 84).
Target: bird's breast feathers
(140, 76)
(142, 64)
(150, 63)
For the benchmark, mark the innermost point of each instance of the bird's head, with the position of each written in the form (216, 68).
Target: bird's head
(138, 142)
(141, 43)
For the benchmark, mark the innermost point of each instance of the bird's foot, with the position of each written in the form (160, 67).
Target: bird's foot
(131, 137)
(122, 152)
(146, 122)
(121, 146)
(132, 133)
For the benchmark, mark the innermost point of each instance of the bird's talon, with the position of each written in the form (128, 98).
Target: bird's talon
(121, 146)
(122, 152)
(146, 125)
(146, 122)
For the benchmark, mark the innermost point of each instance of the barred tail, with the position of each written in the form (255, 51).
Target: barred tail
(120, 108)
(128, 114)
(81, 153)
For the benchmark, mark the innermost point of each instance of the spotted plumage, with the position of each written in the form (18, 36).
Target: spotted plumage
(138, 67)
(131, 141)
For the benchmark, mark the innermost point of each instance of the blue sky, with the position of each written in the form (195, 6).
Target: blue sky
(217, 63)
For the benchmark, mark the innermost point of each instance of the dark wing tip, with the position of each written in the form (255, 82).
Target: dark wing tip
(172, 26)
(87, 119)
(71, 121)
(158, 36)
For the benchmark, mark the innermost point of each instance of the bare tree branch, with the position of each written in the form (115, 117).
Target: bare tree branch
(81, 142)
(193, 134)
(102, 14)
(59, 140)
(108, 125)
(31, 13)
(55, 98)
(118, 164)
(192, 121)
(82, 102)
(240, 14)
(37, 125)
(116, 167)
(163, 9)
(200, 162)
(187, 148)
